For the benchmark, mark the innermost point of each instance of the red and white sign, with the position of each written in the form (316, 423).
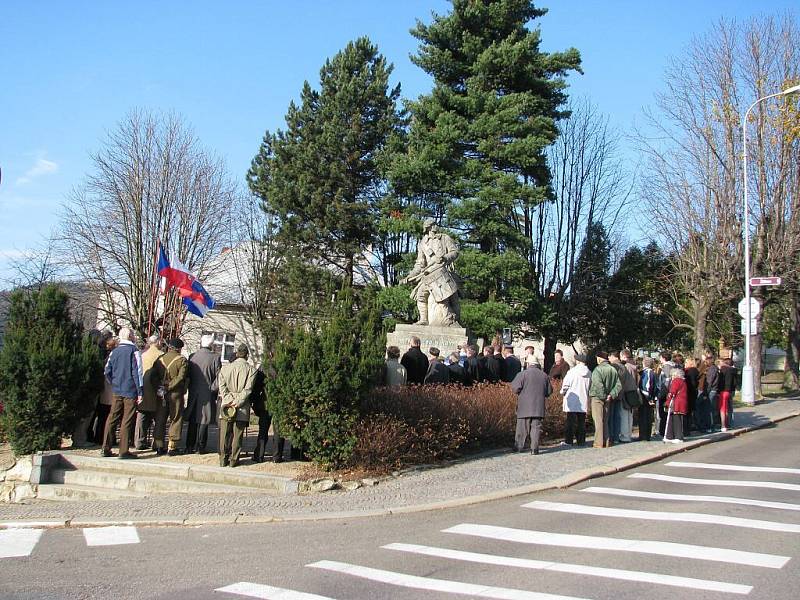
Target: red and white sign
(759, 281)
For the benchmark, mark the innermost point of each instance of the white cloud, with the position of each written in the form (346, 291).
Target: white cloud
(41, 168)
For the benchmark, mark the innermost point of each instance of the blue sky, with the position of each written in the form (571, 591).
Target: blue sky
(69, 71)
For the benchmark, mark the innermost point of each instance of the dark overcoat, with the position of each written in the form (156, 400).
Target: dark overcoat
(204, 367)
(416, 364)
(532, 388)
(437, 372)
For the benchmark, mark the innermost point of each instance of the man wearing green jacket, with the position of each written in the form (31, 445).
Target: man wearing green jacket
(604, 388)
(235, 387)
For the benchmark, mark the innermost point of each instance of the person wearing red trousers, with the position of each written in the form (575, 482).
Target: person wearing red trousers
(727, 387)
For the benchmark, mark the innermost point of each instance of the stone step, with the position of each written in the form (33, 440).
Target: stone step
(87, 478)
(194, 473)
(64, 493)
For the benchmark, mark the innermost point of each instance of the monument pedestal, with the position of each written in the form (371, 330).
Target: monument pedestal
(447, 339)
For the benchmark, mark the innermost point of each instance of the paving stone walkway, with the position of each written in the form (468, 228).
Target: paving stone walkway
(462, 482)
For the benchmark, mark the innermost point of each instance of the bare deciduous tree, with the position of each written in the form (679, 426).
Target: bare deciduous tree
(590, 185)
(694, 177)
(151, 182)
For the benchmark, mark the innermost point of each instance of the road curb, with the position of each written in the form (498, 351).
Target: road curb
(559, 483)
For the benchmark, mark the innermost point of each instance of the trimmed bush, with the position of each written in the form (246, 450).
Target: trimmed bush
(424, 424)
(49, 372)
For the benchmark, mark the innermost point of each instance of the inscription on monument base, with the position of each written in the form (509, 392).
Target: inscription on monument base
(447, 339)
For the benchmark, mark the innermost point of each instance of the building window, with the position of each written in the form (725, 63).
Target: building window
(224, 344)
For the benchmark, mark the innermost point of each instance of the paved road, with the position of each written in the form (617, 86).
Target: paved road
(680, 528)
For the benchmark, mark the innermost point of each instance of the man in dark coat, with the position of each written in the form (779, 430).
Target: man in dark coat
(495, 365)
(458, 374)
(511, 364)
(532, 387)
(204, 366)
(471, 366)
(415, 363)
(437, 371)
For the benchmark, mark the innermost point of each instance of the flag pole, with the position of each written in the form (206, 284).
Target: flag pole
(153, 288)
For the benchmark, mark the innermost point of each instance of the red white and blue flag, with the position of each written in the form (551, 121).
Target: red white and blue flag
(194, 295)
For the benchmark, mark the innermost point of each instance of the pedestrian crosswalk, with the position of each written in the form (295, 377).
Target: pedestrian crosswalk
(655, 515)
(540, 546)
(18, 542)
(21, 542)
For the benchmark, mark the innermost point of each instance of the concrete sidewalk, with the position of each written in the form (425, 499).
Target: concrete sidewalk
(465, 482)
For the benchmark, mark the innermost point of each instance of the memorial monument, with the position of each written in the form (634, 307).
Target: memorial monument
(436, 293)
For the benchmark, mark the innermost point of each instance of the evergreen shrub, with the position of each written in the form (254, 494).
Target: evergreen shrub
(50, 372)
(321, 371)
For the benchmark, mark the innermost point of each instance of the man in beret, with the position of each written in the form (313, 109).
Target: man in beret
(532, 388)
(173, 372)
(236, 381)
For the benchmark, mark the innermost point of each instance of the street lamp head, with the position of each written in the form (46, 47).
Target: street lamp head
(791, 90)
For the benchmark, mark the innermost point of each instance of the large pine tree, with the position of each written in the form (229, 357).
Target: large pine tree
(477, 141)
(323, 176)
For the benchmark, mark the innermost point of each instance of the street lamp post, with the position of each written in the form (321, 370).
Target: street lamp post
(748, 391)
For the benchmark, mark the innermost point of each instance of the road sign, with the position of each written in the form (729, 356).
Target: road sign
(755, 308)
(753, 326)
(759, 281)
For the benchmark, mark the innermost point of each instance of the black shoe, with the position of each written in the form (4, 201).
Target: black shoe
(234, 464)
(127, 456)
(224, 463)
(108, 453)
(160, 451)
(277, 459)
(535, 451)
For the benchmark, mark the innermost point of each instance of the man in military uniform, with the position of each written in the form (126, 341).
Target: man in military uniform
(173, 372)
(236, 381)
(433, 274)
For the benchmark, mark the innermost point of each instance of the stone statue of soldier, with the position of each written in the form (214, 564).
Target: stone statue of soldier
(433, 273)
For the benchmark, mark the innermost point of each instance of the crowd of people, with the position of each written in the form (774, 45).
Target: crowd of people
(669, 396)
(152, 392)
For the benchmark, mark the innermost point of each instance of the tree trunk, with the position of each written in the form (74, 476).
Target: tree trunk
(700, 319)
(793, 341)
(549, 352)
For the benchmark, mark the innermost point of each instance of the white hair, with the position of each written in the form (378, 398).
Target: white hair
(126, 334)
(206, 341)
(153, 339)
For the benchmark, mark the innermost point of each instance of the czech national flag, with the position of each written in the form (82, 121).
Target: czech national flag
(194, 295)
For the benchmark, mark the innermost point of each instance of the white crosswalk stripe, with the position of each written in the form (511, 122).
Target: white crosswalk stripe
(652, 515)
(718, 482)
(15, 543)
(584, 570)
(110, 536)
(547, 538)
(690, 498)
(432, 584)
(256, 590)
(744, 468)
